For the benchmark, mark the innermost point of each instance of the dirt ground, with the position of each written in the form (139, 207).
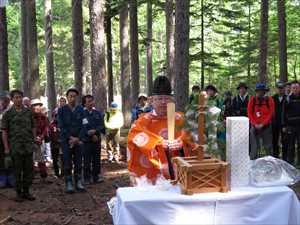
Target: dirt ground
(54, 207)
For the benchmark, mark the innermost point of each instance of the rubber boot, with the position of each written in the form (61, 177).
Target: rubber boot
(27, 195)
(79, 185)
(69, 185)
(19, 196)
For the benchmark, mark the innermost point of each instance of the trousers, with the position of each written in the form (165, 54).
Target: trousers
(92, 160)
(293, 138)
(23, 169)
(260, 140)
(72, 157)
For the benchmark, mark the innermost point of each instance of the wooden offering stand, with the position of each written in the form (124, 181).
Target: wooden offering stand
(198, 174)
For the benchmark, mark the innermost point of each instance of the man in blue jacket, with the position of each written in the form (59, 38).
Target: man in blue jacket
(92, 127)
(70, 124)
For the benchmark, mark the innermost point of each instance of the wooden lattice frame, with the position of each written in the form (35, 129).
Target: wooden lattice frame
(199, 176)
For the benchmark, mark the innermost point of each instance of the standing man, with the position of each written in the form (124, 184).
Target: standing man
(93, 126)
(195, 91)
(260, 112)
(27, 102)
(142, 106)
(212, 97)
(240, 102)
(55, 145)
(279, 99)
(18, 134)
(6, 174)
(41, 125)
(4, 106)
(288, 88)
(70, 124)
(291, 122)
(113, 121)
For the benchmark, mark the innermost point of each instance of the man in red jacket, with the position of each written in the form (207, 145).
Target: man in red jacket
(260, 113)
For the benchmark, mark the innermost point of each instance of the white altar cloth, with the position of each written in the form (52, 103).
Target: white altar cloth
(243, 205)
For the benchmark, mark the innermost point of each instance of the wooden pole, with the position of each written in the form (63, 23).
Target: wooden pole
(201, 126)
(171, 134)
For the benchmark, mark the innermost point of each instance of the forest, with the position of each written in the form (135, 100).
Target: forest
(117, 47)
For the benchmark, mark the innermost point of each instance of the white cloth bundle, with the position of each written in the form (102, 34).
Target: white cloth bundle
(269, 171)
(237, 150)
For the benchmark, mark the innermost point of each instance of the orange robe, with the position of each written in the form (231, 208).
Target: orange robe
(146, 155)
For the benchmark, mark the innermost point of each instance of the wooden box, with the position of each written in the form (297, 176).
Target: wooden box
(201, 176)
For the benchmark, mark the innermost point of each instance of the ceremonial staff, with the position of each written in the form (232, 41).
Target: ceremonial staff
(171, 134)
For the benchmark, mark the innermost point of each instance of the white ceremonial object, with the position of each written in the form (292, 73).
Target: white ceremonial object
(237, 150)
(241, 206)
(3, 3)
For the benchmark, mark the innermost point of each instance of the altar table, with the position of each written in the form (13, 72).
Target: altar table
(247, 205)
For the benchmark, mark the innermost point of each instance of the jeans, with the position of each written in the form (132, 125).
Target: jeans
(46, 151)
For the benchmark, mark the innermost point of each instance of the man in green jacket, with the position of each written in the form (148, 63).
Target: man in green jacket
(18, 135)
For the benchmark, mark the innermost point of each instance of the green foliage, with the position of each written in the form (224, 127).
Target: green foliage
(231, 41)
(213, 125)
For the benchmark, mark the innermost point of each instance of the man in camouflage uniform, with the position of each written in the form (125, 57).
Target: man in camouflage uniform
(18, 134)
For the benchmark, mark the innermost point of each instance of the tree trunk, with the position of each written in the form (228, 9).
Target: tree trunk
(170, 41)
(134, 51)
(109, 59)
(249, 42)
(78, 41)
(282, 40)
(275, 69)
(182, 54)
(149, 47)
(32, 49)
(96, 8)
(24, 53)
(161, 51)
(4, 76)
(125, 67)
(51, 93)
(263, 70)
(294, 68)
(202, 45)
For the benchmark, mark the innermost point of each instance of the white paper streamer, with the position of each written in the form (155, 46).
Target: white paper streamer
(237, 150)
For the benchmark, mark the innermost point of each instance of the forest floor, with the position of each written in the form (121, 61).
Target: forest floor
(54, 207)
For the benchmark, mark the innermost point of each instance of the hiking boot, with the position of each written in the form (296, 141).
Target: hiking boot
(79, 186)
(69, 185)
(19, 197)
(98, 179)
(28, 196)
(87, 181)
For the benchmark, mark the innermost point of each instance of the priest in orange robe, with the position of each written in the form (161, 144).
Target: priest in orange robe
(149, 150)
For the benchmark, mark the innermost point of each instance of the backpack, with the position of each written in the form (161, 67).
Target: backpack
(266, 99)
